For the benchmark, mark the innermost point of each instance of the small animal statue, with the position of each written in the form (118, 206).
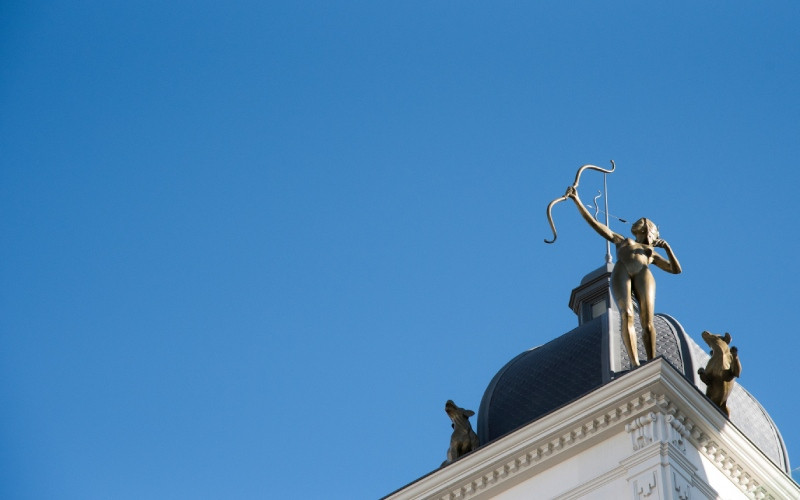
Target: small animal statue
(464, 439)
(721, 369)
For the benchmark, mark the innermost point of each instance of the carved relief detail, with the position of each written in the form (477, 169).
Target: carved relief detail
(676, 432)
(657, 427)
(682, 488)
(642, 430)
(645, 486)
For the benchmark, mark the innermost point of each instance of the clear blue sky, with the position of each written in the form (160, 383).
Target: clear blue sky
(250, 249)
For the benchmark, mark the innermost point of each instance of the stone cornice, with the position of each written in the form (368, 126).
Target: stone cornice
(724, 445)
(653, 394)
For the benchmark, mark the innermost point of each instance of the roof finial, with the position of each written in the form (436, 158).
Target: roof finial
(609, 259)
(596, 207)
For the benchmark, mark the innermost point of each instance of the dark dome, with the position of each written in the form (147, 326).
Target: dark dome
(540, 380)
(543, 379)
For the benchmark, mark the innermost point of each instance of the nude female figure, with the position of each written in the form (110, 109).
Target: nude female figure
(631, 274)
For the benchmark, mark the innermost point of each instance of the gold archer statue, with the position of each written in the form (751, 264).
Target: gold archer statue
(631, 275)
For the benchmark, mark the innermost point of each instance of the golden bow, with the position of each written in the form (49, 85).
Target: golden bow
(574, 186)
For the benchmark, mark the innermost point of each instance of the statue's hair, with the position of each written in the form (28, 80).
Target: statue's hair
(651, 228)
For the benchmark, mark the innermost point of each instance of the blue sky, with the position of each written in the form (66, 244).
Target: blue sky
(249, 250)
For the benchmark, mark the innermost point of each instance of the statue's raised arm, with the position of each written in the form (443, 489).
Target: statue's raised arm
(598, 226)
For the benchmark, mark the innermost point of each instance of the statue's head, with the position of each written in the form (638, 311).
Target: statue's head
(645, 231)
(455, 412)
(720, 349)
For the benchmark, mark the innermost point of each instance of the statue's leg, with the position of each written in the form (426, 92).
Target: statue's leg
(621, 286)
(645, 286)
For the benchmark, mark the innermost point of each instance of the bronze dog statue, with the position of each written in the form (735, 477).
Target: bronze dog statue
(721, 369)
(463, 439)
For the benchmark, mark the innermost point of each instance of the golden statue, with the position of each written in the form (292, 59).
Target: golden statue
(463, 440)
(631, 276)
(721, 369)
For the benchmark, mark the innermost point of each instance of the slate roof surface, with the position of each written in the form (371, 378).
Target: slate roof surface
(541, 380)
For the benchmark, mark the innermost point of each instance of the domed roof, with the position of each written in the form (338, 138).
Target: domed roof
(547, 377)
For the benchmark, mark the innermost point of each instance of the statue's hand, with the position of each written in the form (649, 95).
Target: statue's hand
(660, 244)
(734, 351)
(571, 193)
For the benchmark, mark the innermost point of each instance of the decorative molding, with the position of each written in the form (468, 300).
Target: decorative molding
(722, 458)
(677, 433)
(737, 470)
(642, 430)
(681, 489)
(652, 427)
(730, 466)
(645, 485)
